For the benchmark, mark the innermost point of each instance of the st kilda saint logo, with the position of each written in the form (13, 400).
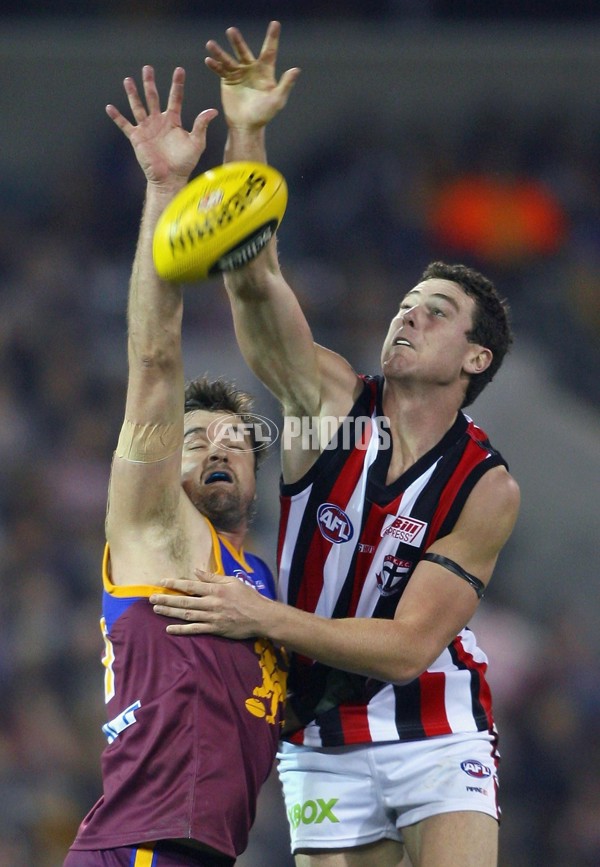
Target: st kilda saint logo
(393, 572)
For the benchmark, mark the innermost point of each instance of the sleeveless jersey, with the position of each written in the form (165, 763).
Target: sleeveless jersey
(194, 722)
(348, 545)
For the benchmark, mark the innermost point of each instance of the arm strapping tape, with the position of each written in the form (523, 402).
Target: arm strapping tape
(477, 585)
(148, 443)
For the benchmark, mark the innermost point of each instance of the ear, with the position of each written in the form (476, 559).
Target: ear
(478, 359)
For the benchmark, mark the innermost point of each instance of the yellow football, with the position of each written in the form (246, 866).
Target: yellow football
(219, 221)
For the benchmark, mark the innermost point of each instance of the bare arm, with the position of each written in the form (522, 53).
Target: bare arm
(272, 331)
(435, 606)
(145, 493)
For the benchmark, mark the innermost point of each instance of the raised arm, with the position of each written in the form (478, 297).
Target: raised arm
(272, 331)
(145, 485)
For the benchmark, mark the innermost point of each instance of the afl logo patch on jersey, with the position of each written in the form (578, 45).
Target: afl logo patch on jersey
(334, 523)
(474, 768)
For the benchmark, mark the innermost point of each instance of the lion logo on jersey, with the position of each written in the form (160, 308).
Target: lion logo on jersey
(268, 698)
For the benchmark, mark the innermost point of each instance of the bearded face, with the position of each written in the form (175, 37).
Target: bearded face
(218, 471)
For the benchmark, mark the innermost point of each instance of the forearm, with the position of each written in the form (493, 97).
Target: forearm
(155, 307)
(273, 334)
(376, 648)
(396, 650)
(255, 281)
(248, 144)
(167, 154)
(245, 143)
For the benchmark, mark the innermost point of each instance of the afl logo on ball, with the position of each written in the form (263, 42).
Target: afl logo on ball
(334, 523)
(474, 768)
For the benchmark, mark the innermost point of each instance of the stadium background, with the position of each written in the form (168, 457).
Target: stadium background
(420, 130)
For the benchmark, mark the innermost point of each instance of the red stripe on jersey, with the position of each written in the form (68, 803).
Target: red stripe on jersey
(354, 723)
(319, 548)
(433, 703)
(371, 536)
(472, 456)
(483, 696)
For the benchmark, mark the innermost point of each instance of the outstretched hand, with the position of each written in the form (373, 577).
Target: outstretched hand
(164, 149)
(250, 92)
(212, 605)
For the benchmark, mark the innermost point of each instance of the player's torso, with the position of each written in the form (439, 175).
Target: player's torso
(349, 543)
(192, 726)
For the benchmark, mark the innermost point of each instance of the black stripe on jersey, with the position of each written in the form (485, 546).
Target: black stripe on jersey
(306, 534)
(427, 502)
(494, 460)
(331, 729)
(424, 509)
(330, 459)
(380, 492)
(325, 689)
(323, 475)
(324, 686)
(479, 713)
(408, 711)
(320, 493)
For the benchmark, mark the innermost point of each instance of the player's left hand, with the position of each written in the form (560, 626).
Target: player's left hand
(212, 605)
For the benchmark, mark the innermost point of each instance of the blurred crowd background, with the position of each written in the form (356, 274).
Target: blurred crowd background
(419, 129)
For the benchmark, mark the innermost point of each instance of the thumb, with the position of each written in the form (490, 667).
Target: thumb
(287, 81)
(202, 121)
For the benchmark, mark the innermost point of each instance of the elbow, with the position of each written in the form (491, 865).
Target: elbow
(405, 672)
(407, 664)
(409, 652)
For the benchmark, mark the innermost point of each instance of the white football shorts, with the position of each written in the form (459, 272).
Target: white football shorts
(340, 797)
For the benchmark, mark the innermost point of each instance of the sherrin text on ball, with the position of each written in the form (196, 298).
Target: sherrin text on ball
(219, 221)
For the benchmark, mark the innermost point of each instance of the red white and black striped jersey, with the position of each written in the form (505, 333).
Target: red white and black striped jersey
(348, 544)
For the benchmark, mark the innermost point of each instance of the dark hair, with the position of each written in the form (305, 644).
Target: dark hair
(491, 319)
(221, 395)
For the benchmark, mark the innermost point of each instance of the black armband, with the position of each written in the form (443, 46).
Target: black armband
(477, 585)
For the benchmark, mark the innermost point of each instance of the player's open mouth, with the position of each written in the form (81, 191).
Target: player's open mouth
(218, 476)
(402, 341)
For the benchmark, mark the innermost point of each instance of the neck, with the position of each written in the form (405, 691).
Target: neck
(417, 423)
(234, 537)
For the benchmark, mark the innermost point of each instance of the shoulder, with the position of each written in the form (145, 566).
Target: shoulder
(492, 506)
(484, 524)
(500, 485)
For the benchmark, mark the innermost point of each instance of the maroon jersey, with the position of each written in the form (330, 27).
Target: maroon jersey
(193, 728)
